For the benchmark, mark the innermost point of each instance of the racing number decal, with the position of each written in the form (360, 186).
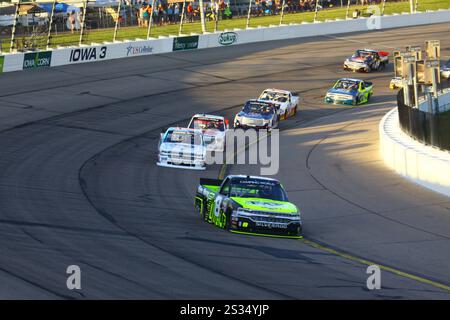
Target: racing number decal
(217, 205)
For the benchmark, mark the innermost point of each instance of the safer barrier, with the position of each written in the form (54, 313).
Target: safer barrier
(138, 47)
(412, 159)
(428, 128)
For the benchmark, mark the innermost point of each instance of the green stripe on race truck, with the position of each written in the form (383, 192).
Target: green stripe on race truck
(268, 205)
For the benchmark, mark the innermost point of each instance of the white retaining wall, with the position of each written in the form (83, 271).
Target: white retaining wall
(109, 50)
(413, 160)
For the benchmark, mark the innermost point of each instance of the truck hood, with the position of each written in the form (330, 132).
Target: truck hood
(342, 91)
(213, 133)
(182, 147)
(266, 205)
(276, 102)
(254, 115)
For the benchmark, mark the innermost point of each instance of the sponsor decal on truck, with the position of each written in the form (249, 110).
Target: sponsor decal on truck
(227, 38)
(185, 43)
(38, 59)
(88, 54)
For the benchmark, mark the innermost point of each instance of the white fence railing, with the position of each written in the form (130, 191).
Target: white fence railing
(130, 48)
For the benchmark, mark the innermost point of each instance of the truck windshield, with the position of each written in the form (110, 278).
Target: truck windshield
(257, 188)
(363, 54)
(258, 108)
(176, 136)
(206, 124)
(274, 96)
(346, 85)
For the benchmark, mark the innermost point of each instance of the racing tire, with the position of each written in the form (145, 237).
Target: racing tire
(227, 222)
(295, 111)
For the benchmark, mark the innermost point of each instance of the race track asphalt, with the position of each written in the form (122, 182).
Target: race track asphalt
(79, 184)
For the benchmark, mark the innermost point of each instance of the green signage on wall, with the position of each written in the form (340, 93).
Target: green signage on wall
(37, 59)
(185, 43)
(2, 61)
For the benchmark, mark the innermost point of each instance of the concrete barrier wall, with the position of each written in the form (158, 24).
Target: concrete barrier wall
(124, 49)
(421, 164)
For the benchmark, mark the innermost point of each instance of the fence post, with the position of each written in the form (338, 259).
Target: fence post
(150, 19)
(216, 13)
(249, 14)
(382, 7)
(416, 5)
(83, 21)
(202, 15)
(348, 9)
(13, 31)
(315, 12)
(282, 12)
(117, 20)
(183, 14)
(49, 34)
(431, 114)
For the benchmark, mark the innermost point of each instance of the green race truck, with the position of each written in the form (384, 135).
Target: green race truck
(250, 205)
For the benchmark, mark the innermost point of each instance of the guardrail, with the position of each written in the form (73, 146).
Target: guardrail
(429, 128)
(165, 44)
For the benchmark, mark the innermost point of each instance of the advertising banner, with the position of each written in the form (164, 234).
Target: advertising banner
(88, 54)
(2, 61)
(185, 43)
(37, 59)
(228, 38)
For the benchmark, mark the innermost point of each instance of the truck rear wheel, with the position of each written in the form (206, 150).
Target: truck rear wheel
(226, 223)
(202, 207)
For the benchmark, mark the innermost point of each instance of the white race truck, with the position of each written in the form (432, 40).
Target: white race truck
(285, 101)
(213, 128)
(182, 148)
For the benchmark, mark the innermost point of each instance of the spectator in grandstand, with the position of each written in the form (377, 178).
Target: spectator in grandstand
(176, 12)
(140, 16)
(146, 14)
(72, 21)
(161, 14)
(227, 14)
(190, 12)
(263, 6)
(170, 13)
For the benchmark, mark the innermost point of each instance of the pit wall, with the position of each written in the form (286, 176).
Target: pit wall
(138, 47)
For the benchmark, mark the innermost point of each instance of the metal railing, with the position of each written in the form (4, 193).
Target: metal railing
(32, 26)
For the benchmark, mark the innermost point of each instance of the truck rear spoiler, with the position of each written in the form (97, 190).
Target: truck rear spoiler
(210, 182)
